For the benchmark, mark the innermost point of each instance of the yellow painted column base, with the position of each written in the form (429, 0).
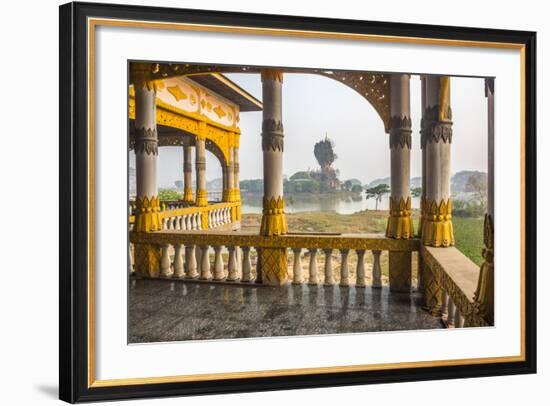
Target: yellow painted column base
(147, 214)
(147, 260)
(437, 228)
(274, 266)
(188, 195)
(202, 198)
(273, 218)
(400, 224)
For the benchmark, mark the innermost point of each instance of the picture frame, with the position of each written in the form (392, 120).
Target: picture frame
(77, 287)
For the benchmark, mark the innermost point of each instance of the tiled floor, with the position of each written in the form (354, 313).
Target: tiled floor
(163, 310)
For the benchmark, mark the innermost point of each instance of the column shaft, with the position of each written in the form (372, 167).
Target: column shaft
(187, 174)
(200, 166)
(437, 228)
(399, 222)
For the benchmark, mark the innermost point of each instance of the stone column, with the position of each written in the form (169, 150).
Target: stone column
(485, 291)
(146, 149)
(236, 211)
(273, 261)
(437, 230)
(200, 166)
(230, 178)
(225, 181)
(187, 174)
(423, 153)
(399, 222)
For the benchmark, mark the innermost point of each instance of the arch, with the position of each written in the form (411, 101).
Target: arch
(375, 87)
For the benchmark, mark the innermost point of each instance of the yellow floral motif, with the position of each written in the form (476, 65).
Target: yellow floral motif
(203, 103)
(399, 222)
(437, 229)
(188, 194)
(219, 111)
(193, 99)
(177, 92)
(273, 219)
(274, 266)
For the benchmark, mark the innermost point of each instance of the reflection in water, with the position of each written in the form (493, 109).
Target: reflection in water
(252, 203)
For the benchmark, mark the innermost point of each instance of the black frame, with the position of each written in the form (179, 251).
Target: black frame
(73, 289)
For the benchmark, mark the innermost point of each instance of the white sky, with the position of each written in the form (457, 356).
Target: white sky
(314, 105)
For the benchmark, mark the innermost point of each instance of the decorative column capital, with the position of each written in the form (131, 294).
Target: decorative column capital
(273, 219)
(141, 76)
(400, 224)
(272, 135)
(436, 126)
(400, 132)
(146, 141)
(148, 214)
(275, 75)
(437, 227)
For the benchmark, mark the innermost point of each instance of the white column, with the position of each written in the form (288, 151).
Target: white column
(190, 262)
(273, 219)
(313, 280)
(232, 264)
(376, 270)
(437, 136)
(200, 166)
(344, 272)
(187, 174)
(399, 222)
(297, 269)
(360, 282)
(247, 265)
(205, 263)
(218, 263)
(329, 280)
(178, 261)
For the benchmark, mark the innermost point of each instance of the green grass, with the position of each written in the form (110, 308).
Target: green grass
(469, 237)
(468, 232)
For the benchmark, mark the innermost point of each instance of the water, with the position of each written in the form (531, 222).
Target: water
(252, 203)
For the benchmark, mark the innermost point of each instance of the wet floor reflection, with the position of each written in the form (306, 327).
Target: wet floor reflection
(176, 310)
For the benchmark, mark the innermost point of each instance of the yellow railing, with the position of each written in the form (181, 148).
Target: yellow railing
(198, 218)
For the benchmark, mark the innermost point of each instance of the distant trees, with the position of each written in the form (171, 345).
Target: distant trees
(252, 185)
(179, 184)
(377, 192)
(478, 187)
(168, 194)
(416, 191)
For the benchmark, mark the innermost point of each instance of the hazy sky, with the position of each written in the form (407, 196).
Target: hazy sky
(314, 105)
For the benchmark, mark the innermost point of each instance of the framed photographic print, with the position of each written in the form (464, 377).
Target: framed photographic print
(256, 202)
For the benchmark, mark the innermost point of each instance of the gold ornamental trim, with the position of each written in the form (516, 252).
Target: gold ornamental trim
(400, 224)
(275, 75)
(147, 218)
(141, 76)
(273, 219)
(437, 227)
(202, 198)
(188, 195)
(485, 291)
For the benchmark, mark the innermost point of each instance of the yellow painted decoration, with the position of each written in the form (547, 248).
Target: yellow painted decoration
(202, 198)
(204, 220)
(219, 112)
(177, 92)
(188, 195)
(147, 217)
(147, 260)
(437, 230)
(273, 218)
(444, 96)
(274, 266)
(485, 291)
(399, 222)
(423, 214)
(272, 74)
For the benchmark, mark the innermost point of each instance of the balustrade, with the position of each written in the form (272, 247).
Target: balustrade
(232, 256)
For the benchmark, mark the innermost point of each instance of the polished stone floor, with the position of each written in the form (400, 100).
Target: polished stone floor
(163, 310)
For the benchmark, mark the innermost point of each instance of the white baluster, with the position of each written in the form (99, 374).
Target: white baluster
(131, 265)
(205, 263)
(298, 277)
(313, 280)
(199, 220)
(360, 282)
(344, 272)
(164, 224)
(376, 270)
(232, 265)
(247, 266)
(329, 280)
(165, 270)
(188, 222)
(190, 262)
(450, 312)
(179, 227)
(178, 261)
(194, 221)
(444, 303)
(218, 263)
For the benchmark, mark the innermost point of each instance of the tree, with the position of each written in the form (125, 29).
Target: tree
(477, 185)
(324, 153)
(179, 184)
(377, 192)
(356, 188)
(416, 191)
